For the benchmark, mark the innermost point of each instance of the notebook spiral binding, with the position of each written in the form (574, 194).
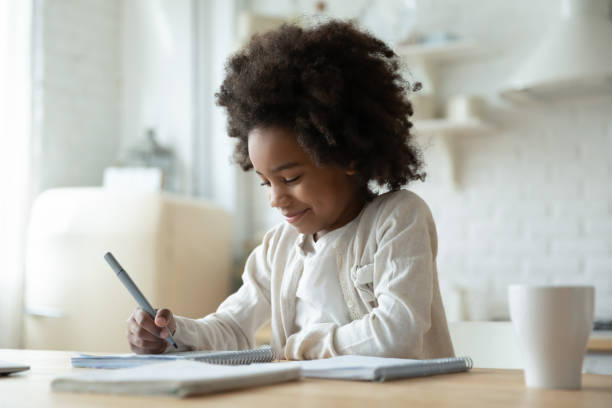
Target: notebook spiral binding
(469, 362)
(425, 367)
(449, 364)
(263, 354)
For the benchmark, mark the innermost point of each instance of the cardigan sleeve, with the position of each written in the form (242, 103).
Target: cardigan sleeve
(403, 273)
(233, 325)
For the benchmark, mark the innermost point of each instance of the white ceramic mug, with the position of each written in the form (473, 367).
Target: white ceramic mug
(553, 324)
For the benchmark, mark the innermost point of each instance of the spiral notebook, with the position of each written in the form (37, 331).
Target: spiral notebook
(382, 369)
(178, 378)
(263, 354)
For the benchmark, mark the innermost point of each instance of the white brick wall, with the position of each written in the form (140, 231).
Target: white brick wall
(547, 181)
(545, 213)
(544, 173)
(76, 90)
(533, 199)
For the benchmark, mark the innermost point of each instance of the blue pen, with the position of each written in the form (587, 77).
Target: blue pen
(133, 289)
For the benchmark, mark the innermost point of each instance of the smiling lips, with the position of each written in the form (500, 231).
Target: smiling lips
(291, 218)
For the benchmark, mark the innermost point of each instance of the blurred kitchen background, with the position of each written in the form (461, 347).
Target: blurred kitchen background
(108, 107)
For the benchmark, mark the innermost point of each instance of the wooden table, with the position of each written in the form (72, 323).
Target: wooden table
(600, 341)
(477, 388)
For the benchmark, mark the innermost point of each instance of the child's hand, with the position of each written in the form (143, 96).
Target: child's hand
(146, 336)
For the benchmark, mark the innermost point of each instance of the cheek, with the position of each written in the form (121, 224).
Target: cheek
(317, 193)
(336, 194)
(309, 190)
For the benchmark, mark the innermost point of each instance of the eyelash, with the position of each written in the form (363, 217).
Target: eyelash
(293, 180)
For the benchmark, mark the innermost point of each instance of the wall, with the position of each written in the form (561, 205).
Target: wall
(172, 63)
(531, 201)
(105, 72)
(532, 204)
(156, 77)
(75, 91)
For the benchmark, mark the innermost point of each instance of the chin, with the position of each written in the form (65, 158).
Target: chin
(304, 229)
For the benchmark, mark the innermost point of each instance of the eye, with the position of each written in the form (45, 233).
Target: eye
(293, 180)
(265, 183)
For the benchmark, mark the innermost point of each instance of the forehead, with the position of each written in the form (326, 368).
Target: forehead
(272, 146)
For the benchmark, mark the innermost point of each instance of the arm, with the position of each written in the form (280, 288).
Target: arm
(404, 266)
(233, 325)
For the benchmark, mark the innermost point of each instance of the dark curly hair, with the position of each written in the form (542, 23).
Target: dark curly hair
(338, 89)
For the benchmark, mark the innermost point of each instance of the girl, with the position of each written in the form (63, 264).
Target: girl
(321, 114)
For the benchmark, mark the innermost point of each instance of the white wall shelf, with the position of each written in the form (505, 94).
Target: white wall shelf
(437, 138)
(426, 127)
(424, 58)
(438, 52)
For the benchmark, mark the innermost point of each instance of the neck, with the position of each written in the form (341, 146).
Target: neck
(348, 215)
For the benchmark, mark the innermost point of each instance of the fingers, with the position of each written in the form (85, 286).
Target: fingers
(147, 335)
(140, 332)
(164, 333)
(136, 341)
(143, 335)
(149, 349)
(143, 342)
(164, 318)
(145, 321)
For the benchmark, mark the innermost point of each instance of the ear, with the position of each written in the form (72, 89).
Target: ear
(350, 170)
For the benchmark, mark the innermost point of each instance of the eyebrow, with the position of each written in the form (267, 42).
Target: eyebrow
(284, 166)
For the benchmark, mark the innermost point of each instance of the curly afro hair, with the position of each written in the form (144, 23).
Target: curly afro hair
(338, 89)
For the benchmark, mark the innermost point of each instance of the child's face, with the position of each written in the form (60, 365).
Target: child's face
(314, 199)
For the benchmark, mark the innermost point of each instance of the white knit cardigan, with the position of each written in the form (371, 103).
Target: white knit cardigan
(387, 271)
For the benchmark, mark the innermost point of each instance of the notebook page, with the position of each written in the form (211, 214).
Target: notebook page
(231, 357)
(181, 370)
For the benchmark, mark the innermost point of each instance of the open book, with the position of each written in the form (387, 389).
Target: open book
(263, 354)
(180, 378)
(381, 369)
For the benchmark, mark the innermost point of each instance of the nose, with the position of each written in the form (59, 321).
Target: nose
(278, 196)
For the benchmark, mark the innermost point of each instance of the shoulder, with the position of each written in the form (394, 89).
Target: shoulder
(404, 203)
(396, 214)
(402, 217)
